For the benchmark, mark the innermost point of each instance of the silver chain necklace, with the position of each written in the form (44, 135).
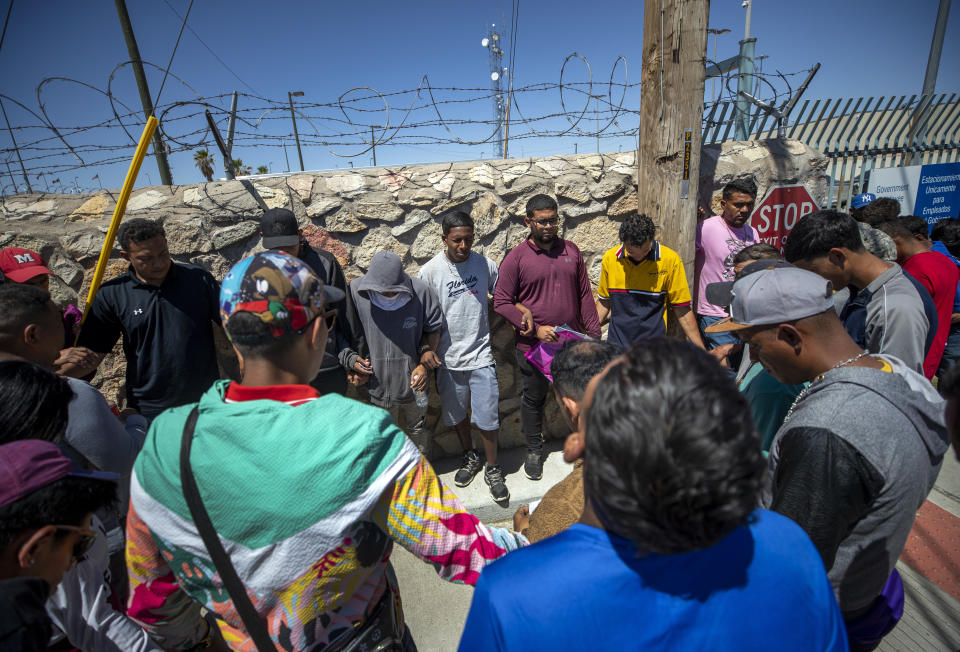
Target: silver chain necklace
(806, 390)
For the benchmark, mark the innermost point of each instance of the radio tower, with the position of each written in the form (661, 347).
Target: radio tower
(492, 43)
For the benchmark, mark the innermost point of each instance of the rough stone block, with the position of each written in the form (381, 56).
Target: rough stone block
(346, 185)
(321, 239)
(343, 221)
(442, 181)
(579, 210)
(302, 184)
(486, 214)
(322, 205)
(92, 209)
(554, 166)
(186, 235)
(143, 201)
(428, 242)
(378, 239)
(376, 211)
(623, 206)
(69, 272)
(573, 188)
(234, 234)
(414, 219)
(82, 245)
(456, 201)
(607, 188)
(273, 197)
(484, 175)
(222, 196)
(393, 181)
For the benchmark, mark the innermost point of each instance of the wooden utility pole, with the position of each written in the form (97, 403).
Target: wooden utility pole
(671, 108)
(159, 150)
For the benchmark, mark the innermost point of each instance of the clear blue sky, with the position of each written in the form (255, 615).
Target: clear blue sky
(326, 48)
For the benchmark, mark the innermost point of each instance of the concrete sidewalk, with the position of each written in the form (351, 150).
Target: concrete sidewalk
(930, 566)
(476, 496)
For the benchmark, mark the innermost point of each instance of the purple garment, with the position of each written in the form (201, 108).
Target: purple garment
(865, 632)
(541, 355)
(552, 284)
(71, 317)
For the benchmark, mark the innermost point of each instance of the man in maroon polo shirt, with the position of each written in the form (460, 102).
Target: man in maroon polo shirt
(546, 274)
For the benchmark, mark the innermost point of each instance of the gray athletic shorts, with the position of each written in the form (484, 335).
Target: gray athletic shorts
(476, 387)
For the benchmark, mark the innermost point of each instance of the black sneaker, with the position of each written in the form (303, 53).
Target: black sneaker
(470, 466)
(533, 465)
(493, 476)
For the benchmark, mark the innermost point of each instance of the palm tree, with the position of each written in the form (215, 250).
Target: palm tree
(240, 169)
(262, 169)
(204, 161)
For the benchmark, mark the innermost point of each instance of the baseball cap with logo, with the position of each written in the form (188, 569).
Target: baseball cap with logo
(280, 290)
(862, 200)
(27, 465)
(279, 228)
(774, 296)
(20, 265)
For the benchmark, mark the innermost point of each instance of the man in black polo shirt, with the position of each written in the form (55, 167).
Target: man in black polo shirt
(345, 344)
(164, 311)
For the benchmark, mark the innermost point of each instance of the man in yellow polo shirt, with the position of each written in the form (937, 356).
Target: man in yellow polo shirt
(638, 280)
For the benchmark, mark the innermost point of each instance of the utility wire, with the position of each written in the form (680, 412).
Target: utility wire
(211, 51)
(175, 46)
(6, 21)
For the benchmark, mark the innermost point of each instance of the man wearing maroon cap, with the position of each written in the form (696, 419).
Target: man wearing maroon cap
(46, 505)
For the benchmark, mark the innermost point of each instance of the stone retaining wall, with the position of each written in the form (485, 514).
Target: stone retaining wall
(356, 213)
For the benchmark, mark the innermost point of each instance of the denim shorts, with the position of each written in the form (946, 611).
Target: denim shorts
(476, 388)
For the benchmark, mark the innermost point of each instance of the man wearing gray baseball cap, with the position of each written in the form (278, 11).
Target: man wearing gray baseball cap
(859, 450)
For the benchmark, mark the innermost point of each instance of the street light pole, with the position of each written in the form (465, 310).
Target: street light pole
(716, 33)
(290, 96)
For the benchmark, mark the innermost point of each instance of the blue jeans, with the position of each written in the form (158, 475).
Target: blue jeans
(951, 354)
(713, 340)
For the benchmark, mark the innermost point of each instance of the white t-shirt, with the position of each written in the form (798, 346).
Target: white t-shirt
(462, 289)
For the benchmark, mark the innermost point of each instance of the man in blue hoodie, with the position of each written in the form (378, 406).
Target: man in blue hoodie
(859, 449)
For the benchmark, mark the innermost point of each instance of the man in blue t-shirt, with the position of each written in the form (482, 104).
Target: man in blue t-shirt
(671, 552)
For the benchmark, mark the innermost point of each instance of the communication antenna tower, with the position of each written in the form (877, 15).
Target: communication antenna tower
(492, 43)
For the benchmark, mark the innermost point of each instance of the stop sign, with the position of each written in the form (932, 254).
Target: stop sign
(779, 211)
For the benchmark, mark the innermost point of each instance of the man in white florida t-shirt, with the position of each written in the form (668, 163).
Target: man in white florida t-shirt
(467, 379)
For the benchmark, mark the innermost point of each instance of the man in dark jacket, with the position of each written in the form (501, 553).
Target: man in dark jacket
(346, 348)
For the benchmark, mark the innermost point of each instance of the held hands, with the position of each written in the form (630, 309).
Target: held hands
(430, 360)
(521, 519)
(360, 373)
(418, 378)
(547, 334)
(77, 361)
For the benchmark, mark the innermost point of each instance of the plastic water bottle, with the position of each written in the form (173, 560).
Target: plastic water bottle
(420, 395)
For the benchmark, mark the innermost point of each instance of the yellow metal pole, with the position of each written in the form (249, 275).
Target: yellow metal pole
(148, 130)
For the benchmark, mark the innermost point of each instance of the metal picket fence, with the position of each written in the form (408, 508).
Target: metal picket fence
(858, 134)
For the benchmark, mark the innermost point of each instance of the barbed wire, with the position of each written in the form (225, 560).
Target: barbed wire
(360, 119)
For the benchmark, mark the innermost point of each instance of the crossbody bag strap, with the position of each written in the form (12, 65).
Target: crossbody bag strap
(254, 625)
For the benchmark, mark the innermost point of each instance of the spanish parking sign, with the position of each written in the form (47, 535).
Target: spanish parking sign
(928, 191)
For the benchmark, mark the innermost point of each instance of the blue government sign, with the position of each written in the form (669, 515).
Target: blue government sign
(929, 191)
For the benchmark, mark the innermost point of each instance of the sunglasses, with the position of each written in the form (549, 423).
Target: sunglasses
(84, 543)
(550, 222)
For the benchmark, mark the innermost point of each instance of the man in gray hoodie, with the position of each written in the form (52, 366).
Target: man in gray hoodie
(401, 320)
(859, 449)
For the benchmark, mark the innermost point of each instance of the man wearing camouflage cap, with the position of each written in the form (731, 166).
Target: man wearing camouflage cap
(307, 493)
